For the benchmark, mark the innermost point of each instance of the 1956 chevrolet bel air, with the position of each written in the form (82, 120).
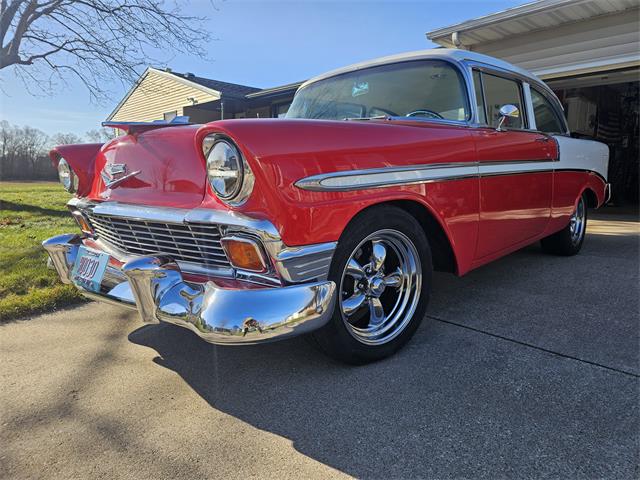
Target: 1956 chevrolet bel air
(329, 222)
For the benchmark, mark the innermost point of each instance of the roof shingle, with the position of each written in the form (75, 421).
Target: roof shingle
(227, 89)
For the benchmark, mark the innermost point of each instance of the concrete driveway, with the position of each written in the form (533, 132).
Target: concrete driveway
(528, 367)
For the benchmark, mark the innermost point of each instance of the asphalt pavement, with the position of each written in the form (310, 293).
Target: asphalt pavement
(526, 368)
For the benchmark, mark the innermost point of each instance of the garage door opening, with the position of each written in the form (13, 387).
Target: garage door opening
(604, 107)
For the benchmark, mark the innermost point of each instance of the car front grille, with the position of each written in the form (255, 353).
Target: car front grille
(187, 242)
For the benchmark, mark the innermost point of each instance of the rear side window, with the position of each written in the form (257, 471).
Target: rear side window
(500, 91)
(547, 120)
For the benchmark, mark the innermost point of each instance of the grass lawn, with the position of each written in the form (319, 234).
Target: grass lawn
(30, 212)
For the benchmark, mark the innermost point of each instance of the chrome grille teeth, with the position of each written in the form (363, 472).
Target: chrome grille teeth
(194, 243)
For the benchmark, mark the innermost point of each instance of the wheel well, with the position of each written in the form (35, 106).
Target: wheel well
(443, 257)
(591, 198)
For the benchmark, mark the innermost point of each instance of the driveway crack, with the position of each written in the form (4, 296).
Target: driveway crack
(536, 347)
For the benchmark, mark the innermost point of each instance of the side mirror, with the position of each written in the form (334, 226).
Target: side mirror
(507, 110)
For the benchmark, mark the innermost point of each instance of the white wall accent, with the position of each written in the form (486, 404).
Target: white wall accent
(583, 155)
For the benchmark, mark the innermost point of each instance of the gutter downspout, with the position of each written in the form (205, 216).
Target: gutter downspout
(455, 39)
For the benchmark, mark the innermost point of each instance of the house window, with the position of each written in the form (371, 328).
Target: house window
(170, 115)
(280, 109)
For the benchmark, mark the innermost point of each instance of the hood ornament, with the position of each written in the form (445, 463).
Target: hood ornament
(113, 174)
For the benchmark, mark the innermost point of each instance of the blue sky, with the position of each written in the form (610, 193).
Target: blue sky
(264, 44)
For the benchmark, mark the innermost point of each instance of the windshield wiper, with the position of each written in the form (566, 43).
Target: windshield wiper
(377, 117)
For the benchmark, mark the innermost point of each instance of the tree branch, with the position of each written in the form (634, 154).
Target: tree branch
(94, 40)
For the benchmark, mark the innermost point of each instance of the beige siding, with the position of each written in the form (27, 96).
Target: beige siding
(156, 94)
(596, 44)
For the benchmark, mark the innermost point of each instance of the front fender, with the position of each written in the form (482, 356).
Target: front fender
(81, 158)
(281, 152)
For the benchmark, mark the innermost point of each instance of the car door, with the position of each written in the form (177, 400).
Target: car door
(515, 165)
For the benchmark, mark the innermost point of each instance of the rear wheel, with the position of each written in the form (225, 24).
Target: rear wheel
(382, 269)
(569, 240)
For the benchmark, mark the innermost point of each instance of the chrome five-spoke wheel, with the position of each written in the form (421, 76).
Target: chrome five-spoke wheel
(569, 240)
(577, 222)
(380, 287)
(382, 270)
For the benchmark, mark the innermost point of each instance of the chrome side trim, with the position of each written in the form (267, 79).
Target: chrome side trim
(306, 263)
(593, 172)
(389, 176)
(384, 177)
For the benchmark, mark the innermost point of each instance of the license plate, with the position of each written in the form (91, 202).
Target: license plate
(89, 269)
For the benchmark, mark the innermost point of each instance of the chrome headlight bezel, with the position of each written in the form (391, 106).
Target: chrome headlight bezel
(219, 150)
(67, 177)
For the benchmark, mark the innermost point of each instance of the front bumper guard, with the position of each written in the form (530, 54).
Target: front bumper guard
(154, 285)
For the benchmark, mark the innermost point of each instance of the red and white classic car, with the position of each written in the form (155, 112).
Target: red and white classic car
(329, 222)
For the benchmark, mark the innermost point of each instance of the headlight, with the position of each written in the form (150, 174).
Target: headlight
(68, 178)
(229, 175)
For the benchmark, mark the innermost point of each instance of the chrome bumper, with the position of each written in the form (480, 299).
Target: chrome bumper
(155, 287)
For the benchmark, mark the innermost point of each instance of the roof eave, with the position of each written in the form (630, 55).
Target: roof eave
(445, 33)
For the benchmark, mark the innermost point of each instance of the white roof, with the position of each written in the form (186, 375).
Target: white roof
(434, 53)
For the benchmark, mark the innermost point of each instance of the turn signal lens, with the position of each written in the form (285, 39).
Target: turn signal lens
(244, 254)
(82, 222)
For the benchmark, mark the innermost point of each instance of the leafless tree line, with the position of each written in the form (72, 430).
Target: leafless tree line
(24, 150)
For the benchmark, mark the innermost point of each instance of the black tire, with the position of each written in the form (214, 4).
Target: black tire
(336, 338)
(567, 242)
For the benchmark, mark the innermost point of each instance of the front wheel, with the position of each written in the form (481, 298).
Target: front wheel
(569, 240)
(382, 269)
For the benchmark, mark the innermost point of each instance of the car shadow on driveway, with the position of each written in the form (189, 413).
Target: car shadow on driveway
(452, 404)
(527, 367)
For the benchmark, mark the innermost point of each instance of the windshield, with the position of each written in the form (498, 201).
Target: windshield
(425, 88)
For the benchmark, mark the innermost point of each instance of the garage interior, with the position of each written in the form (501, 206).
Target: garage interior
(604, 107)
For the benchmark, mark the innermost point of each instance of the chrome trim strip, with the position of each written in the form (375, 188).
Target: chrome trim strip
(387, 176)
(305, 263)
(233, 220)
(593, 172)
(516, 172)
(415, 174)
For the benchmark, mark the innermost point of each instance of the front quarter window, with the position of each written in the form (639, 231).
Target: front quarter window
(425, 88)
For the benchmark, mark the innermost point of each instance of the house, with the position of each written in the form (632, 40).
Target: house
(163, 94)
(588, 52)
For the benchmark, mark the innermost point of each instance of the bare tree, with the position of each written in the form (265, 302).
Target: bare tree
(33, 146)
(101, 135)
(50, 41)
(66, 139)
(23, 153)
